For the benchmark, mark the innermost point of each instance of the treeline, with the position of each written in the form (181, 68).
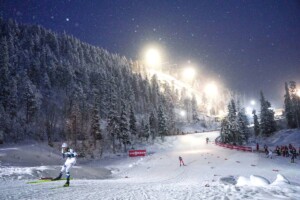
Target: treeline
(234, 126)
(292, 105)
(54, 87)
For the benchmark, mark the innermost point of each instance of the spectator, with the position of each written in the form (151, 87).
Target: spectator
(277, 150)
(266, 149)
(294, 154)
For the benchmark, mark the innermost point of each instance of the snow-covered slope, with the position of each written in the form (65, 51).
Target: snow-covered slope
(212, 172)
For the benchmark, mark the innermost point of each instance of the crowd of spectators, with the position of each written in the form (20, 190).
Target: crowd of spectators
(284, 151)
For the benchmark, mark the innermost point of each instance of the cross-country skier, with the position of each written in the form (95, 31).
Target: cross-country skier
(71, 160)
(181, 161)
(207, 139)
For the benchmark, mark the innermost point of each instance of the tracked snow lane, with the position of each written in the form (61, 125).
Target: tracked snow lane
(159, 176)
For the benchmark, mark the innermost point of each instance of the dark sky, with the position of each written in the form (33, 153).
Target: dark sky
(248, 45)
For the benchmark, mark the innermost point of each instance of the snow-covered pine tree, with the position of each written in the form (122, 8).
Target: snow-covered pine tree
(30, 98)
(232, 111)
(124, 127)
(290, 118)
(203, 106)
(256, 124)
(95, 128)
(146, 129)
(4, 73)
(113, 117)
(244, 115)
(13, 99)
(194, 109)
(232, 122)
(132, 122)
(3, 125)
(183, 95)
(267, 121)
(242, 129)
(234, 126)
(144, 96)
(162, 123)
(153, 125)
(46, 84)
(168, 106)
(188, 109)
(295, 99)
(154, 96)
(74, 123)
(225, 133)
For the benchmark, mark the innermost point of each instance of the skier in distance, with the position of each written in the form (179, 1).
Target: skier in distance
(181, 161)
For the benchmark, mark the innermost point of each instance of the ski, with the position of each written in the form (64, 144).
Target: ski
(58, 187)
(44, 180)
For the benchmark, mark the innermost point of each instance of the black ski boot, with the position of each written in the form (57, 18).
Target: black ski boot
(67, 184)
(68, 181)
(57, 178)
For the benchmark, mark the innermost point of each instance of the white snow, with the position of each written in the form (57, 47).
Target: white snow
(9, 171)
(281, 180)
(212, 172)
(253, 181)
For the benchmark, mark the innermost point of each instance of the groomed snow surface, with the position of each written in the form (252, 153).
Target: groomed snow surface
(211, 172)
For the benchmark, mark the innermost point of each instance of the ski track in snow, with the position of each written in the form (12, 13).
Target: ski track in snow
(159, 177)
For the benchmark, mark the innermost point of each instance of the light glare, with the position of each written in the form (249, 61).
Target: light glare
(153, 57)
(298, 93)
(189, 73)
(182, 113)
(211, 89)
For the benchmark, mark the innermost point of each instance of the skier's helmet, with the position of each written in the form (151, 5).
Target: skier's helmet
(64, 145)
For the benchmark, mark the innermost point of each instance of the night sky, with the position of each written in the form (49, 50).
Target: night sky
(247, 45)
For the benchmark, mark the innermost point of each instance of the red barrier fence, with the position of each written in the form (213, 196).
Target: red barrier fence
(230, 146)
(135, 153)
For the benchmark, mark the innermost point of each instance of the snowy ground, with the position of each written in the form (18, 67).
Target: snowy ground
(212, 172)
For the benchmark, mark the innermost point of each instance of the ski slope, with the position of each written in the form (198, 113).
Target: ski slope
(211, 173)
